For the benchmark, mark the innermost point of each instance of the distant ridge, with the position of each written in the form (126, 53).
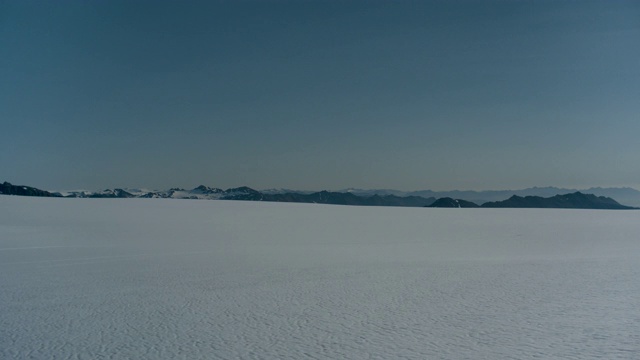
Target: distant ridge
(575, 200)
(447, 202)
(21, 190)
(248, 194)
(240, 193)
(340, 198)
(624, 195)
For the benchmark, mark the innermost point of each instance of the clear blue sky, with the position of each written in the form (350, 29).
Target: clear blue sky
(320, 95)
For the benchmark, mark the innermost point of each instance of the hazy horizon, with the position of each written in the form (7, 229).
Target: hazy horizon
(315, 95)
(190, 187)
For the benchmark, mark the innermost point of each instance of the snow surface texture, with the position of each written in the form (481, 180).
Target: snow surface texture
(156, 279)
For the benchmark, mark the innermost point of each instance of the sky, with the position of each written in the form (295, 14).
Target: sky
(314, 95)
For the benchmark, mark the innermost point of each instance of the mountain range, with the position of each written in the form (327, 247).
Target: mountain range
(624, 195)
(21, 190)
(447, 202)
(507, 198)
(240, 193)
(575, 200)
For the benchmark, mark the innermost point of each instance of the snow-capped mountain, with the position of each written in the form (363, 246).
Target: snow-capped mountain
(246, 193)
(626, 196)
(201, 192)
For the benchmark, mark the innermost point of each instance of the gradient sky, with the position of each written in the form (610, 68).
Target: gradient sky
(320, 95)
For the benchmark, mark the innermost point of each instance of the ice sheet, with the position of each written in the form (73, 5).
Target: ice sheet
(158, 278)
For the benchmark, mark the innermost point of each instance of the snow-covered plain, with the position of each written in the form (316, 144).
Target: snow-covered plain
(158, 278)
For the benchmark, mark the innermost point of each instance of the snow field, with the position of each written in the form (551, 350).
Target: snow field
(161, 278)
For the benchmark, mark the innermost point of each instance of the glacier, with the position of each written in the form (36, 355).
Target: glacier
(158, 279)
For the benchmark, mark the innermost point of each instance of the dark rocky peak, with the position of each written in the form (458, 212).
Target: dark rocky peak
(576, 200)
(108, 193)
(447, 202)
(242, 193)
(206, 190)
(122, 193)
(7, 188)
(243, 190)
